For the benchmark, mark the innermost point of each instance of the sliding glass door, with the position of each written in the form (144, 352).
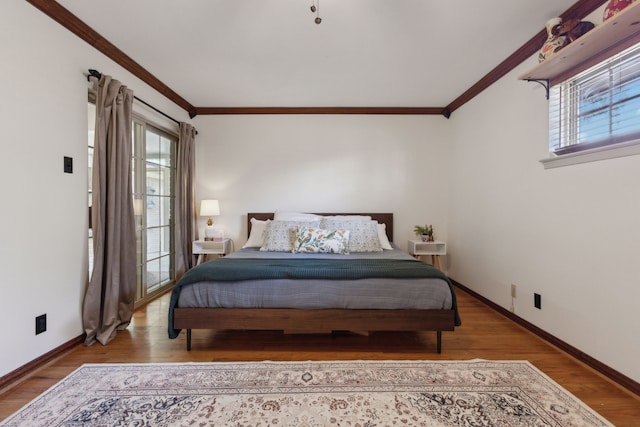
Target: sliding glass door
(154, 199)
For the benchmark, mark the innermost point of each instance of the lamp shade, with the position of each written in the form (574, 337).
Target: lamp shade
(209, 208)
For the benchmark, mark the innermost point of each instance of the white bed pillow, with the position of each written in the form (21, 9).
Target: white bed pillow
(256, 236)
(363, 236)
(382, 236)
(295, 216)
(280, 236)
(321, 241)
(348, 217)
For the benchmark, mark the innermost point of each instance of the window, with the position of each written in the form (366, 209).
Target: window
(597, 108)
(153, 179)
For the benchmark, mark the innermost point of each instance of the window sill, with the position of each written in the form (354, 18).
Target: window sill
(623, 149)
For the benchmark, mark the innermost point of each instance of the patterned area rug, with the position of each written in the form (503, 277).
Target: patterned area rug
(308, 394)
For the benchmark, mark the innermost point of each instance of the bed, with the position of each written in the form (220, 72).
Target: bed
(269, 288)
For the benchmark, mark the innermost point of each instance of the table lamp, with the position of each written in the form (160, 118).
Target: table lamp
(209, 208)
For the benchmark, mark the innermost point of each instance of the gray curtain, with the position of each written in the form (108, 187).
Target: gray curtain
(109, 299)
(185, 199)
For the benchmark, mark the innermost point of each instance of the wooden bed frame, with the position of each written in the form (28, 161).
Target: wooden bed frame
(301, 321)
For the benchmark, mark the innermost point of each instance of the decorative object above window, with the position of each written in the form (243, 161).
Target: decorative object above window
(561, 33)
(605, 40)
(614, 7)
(555, 41)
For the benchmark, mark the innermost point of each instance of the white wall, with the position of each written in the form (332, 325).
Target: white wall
(324, 163)
(43, 117)
(570, 234)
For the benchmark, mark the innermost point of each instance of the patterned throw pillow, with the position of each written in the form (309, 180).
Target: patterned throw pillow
(363, 236)
(320, 241)
(279, 236)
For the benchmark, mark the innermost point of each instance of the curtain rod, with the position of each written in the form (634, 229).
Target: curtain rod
(98, 75)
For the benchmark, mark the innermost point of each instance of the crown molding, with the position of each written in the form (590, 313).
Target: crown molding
(321, 110)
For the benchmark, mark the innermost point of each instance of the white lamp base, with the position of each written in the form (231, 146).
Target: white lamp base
(209, 232)
(213, 234)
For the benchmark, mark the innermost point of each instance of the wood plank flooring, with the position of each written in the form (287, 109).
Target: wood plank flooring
(485, 334)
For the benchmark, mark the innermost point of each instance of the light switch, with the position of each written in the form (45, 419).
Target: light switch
(68, 164)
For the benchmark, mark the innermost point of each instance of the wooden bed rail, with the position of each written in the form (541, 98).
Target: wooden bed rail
(300, 321)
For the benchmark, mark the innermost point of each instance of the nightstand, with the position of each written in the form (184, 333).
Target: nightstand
(434, 249)
(203, 248)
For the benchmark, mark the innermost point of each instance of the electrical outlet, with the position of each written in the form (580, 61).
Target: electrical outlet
(537, 301)
(513, 290)
(41, 324)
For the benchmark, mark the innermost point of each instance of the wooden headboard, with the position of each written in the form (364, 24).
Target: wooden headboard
(382, 218)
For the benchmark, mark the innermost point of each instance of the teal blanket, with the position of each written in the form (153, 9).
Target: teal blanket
(236, 269)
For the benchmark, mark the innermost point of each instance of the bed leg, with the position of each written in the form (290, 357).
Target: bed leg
(189, 339)
(439, 341)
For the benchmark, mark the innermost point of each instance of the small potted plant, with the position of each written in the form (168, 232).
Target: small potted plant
(425, 232)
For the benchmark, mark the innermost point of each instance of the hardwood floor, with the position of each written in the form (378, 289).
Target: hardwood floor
(485, 334)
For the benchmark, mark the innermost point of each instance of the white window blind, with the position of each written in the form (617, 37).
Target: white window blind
(598, 107)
